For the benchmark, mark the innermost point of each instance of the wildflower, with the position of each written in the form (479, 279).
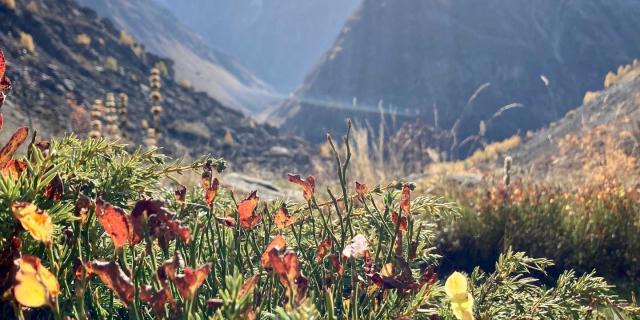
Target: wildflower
(356, 247)
(35, 286)
(187, 283)
(36, 221)
(461, 300)
(361, 189)
(401, 222)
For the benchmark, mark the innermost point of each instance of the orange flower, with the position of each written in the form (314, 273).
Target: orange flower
(36, 221)
(35, 286)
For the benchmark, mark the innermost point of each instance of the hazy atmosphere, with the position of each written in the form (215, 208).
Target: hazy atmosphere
(320, 159)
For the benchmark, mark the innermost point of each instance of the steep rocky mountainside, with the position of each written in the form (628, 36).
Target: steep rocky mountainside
(207, 69)
(192, 123)
(280, 41)
(516, 65)
(602, 134)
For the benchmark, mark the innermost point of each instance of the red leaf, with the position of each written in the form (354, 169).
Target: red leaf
(13, 169)
(247, 211)
(287, 267)
(403, 222)
(191, 280)
(181, 193)
(361, 189)
(323, 249)
(83, 203)
(55, 190)
(249, 285)
(211, 192)
(114, 221)
(308, 185)
(278, 243)
(226, 221)
(283, 219)
(336, 265)
(405, 201)
(161, 222)
(6, 153)
(112, 276)
(3, 64)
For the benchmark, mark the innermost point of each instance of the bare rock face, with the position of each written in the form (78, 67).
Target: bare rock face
(192, 123)
(443, 61)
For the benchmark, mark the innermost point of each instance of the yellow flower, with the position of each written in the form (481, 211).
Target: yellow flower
(461, 300)
(36, 221)
(35, 286)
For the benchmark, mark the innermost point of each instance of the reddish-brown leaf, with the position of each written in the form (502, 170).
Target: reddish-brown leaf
(158, 299)
(336, 265)
(226, 221)
(17, 139)
(287, 267)
(278, 243)
(211, 192)
(401, 222)
(169, 268)
(55, 190)
(83, 203)
(283, 219)
(308, 185)
(361, 189)
(114, 221)
(161, 222)
(323, 248)
(13, 169)
(249, 285)
(249, 218)
(356, 247)
(405, 200)
(3, 64)
(181, 193)
(191, 280)
(112, 276)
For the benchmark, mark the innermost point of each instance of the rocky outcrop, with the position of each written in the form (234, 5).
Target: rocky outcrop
(206, 69)
(516, 65)
(60, 65)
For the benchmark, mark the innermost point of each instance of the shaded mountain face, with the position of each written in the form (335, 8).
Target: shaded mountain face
(207, 69)
(280, 41)
(192, 123)
(443, 61)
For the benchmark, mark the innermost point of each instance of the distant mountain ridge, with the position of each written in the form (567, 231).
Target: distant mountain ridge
(443, 61)
(279, 40)
(207, 69)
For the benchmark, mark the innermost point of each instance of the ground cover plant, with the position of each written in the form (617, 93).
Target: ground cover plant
(91, 229)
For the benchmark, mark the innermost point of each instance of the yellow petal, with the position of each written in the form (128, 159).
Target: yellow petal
(37, 222)
(455, 284)
(462, 307)
(387, 270)
(29, 292)
(34, 285)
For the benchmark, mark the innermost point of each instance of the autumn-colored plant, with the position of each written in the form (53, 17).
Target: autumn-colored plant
(91, 230)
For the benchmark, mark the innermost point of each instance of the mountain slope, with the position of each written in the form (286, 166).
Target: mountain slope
(465, 59)
(280, 41)
(214, 72)
(192, 123)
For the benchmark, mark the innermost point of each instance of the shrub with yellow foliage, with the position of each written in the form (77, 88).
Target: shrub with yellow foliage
(26, 42)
